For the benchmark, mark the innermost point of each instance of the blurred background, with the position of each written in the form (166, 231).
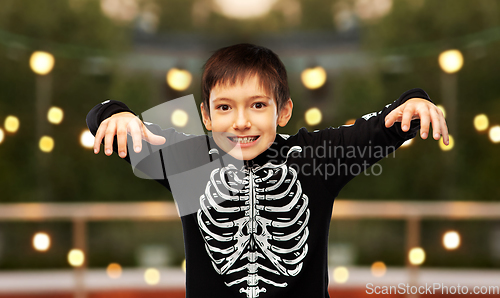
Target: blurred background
(345, 58)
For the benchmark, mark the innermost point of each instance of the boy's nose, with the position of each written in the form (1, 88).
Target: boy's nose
(241, 122)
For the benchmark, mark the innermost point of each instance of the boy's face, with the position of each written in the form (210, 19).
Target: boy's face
(243, 118)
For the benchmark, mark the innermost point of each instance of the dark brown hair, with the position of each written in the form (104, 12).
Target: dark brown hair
(234, 64)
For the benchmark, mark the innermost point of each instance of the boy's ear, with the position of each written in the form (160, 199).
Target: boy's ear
(206, 118)
(285, 113)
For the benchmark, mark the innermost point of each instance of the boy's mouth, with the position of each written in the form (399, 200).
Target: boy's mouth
(243, 140)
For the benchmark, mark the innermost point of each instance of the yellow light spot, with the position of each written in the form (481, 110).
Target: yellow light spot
(41, 241)
(55, 115)
(87, 139)
(340, 275)
(451, 240)
(495, 134)
(313, 116)
(378, 269)
(481, 122)
(42, 62)
(442, 110)
(416, 256)
(450, 145)
(313, 78)
(114, 270)
(11, 124)
(46, 144)
(179, 79)
(350, 122)
(451, 61)
(2, 135)
(152, 276)
(407, 143)
(76, 257)
(183, 266)
(179, 118)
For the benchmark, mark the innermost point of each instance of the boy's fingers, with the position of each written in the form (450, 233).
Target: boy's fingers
(135, 132)
(444, 132)
(108, 138)
(152, 138)
(99, 136)
(407, 116)
(391, 118)
(121, 136)
(424, 122)
(436, 124)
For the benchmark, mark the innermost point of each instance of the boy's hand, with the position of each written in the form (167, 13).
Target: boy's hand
(427, 112)
(120, 124)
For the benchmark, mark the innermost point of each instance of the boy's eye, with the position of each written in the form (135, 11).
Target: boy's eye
(223, 107)
(259, 105)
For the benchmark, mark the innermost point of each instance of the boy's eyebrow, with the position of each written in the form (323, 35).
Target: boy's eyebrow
(251, 98)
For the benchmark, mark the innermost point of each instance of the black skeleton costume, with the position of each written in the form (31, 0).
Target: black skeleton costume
(259, 228)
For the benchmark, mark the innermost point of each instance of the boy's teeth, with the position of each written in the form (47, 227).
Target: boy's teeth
(243, 140)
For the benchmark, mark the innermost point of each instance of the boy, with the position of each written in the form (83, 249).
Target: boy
(261, 230)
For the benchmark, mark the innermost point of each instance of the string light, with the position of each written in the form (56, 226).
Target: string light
(481, 122)
(451, 61)
(179, 79)
(46, 144)
(76, 257)
(55, 115)
(11, 124)
(87, 139)
(152, 276)
(313, 78)
(313, 116)
(378, 269)
(450, 145)
(416, 256)
(179, 118)
(42, 63)
(451, 240)
(494, 133)
(114, 270)
(340, 274)
(41, 241)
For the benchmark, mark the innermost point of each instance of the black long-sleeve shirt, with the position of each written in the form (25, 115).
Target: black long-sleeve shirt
(259, 228)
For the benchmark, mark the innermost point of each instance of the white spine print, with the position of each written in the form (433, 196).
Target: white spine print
(258, 234)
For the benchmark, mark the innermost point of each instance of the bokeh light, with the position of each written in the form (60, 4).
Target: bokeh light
(450, 145)
(451, 240)
(481, 122)
(378, 269)
(179, 79)
(494, 134)
(76, 257)
(183, 265)
(11, 124)
(179, 118)
(87, 139)
(442, 110)
(114, 270)
(313, 116)
(41, 62)
(41, 241)
(120, 10)
(46, 144)
(340, 274)
(244, 9)
(313, 78)
(416, 256)
(451, 61)
(55, 115)
(152, 276)
(2, 135)
(407, 143)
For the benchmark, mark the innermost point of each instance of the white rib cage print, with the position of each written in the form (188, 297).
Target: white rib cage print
(257, 236)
